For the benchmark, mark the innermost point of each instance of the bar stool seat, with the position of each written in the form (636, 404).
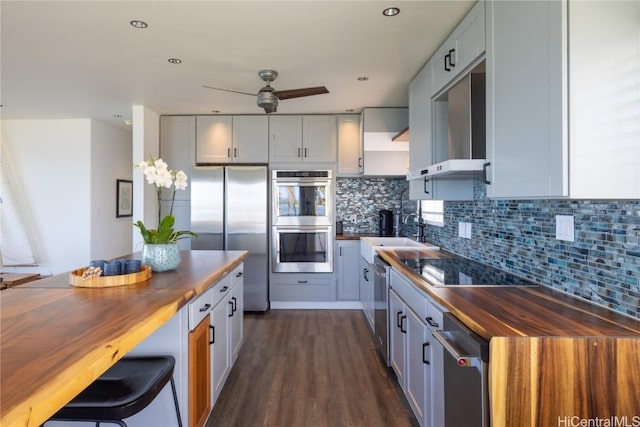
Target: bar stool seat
(125, 389)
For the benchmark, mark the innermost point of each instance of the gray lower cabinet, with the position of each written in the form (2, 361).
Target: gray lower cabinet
(348, 262)
(366, 291)
(310, 287)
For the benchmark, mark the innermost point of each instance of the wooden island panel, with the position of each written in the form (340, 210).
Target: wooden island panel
(539, 381)
(57, 340)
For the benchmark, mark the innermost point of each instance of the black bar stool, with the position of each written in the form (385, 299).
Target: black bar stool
(125, 389)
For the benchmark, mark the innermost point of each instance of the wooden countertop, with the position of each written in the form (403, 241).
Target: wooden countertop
(57, 339)
(516, 311)
(14, 279)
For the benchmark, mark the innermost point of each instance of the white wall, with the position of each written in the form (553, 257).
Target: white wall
(111, 159)
(50, 159)
(67, 171)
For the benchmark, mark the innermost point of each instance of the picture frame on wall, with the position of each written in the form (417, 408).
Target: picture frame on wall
(124, 198)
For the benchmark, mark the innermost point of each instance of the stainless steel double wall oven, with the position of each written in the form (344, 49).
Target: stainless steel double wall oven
(302, 221)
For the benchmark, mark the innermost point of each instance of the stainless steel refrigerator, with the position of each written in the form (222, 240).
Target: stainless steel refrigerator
(229, 211)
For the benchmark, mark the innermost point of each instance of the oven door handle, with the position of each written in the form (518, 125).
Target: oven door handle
(463, 360)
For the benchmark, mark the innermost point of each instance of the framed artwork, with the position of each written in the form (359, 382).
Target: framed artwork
(124, 198)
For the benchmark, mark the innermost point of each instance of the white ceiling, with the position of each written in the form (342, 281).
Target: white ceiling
(70, 59)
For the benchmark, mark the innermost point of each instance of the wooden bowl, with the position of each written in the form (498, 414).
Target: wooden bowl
(75, 279)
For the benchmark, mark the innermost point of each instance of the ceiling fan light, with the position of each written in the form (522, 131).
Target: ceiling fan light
(268, 101)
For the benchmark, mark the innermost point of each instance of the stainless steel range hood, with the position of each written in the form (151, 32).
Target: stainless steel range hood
(460, 129)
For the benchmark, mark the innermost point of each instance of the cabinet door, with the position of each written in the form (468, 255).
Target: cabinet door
(199, 374)
(214, 139)
(236, 308)
(418, 372)
(526, 109)
(319, 141)
(220, 358)
(366, 291)
(177, 146)
(350, 156)
(250, 139)
(465, 44)
(285, 143)
(348, 270)
(420, 121)
(397, 331)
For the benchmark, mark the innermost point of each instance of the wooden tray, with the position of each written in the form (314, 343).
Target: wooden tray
(75, 279)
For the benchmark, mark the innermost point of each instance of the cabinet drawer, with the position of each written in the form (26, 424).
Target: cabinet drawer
(302, 289)
(220, 289)
(236, 275)
(200, 308)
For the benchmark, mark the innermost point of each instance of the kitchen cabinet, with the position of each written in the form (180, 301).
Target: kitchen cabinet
(563, 110)
(250, 139)
(421, 116)
(418, 367)
(382, 155)
(199, 374)
(214, 139)
(297, 139)
(367, 292)
(232, 139)
(350, 149)
(465, 44)
(301, 287)
(236, 308)
(177, 146)
(348, 253)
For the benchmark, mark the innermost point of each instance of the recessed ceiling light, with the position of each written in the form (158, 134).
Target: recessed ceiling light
(117, 116)
(350, 110)
(215, 111)
(175, 60)
(138, 24)
(363, 78)
(391, 11)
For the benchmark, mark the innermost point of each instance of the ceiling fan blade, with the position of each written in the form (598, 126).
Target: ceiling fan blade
(229, 90)
(298, 93)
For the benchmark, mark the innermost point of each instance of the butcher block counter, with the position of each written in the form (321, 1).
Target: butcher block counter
(57, 339)
(551, 356)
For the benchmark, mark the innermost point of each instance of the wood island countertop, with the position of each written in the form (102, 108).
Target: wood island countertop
(552, 357)
(56, 339)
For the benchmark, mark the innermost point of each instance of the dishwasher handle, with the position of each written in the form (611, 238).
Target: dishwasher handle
(463, 360)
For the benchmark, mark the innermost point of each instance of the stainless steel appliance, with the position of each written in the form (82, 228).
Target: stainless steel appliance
(302, 249)
(385, 222)
(381, 306)
(302, 198)
(302, 221)
(229, 211)
(465, 367)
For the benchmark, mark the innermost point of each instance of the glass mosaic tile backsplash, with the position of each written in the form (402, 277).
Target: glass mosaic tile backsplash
(602, 264)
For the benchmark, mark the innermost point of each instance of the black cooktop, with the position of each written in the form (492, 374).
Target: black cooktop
(463, 272)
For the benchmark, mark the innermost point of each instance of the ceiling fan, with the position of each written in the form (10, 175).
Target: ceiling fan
(268, 97)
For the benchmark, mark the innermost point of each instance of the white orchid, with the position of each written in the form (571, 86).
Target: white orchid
(157, 172)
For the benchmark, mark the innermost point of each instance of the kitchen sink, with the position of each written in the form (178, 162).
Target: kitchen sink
(369, 245)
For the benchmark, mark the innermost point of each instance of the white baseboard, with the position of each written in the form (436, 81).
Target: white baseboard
(316, 305)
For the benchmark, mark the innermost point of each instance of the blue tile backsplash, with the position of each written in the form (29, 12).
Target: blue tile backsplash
(602, 264)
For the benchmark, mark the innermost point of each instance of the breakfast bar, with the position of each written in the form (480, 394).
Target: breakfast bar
(57, 339)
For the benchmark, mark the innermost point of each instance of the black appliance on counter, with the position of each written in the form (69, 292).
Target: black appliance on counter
(385, 222)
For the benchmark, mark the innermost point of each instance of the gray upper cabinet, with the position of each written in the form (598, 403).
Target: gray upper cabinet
(232, 139)
(250, 139)
(177, 144)
(214, 140)
(465, 44)
(350, 154)
(298, 139)
(563, 107)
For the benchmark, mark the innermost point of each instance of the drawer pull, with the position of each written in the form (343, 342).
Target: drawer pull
(432, 323)
(398, 320)
(402, 327)
(424, 359)
(239, 274)
(213, 334)
(205, 308)
(231, 314)
(303, 281)
(224, 289)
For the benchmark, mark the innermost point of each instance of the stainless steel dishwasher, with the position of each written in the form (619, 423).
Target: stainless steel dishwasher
(466, 361)
(381, 306)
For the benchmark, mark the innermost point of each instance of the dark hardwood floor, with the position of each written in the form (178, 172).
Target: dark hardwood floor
(309, 368)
